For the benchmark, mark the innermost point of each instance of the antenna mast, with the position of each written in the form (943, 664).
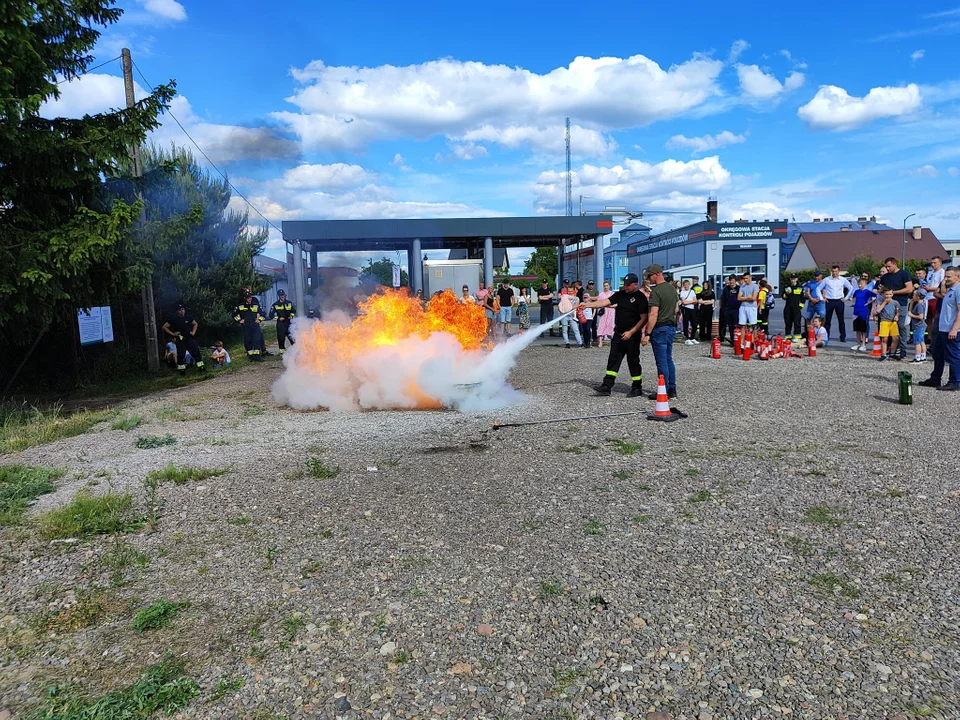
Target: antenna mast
(569, 174)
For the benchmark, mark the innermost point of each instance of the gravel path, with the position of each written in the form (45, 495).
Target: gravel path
(786, 552)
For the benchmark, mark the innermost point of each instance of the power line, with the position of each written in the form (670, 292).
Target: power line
(212, 164)
(97, 67)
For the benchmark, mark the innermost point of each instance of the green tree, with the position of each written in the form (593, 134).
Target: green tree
(381, 272)
(59, 248)
(863, 264)
(201, 251)
(543, 263)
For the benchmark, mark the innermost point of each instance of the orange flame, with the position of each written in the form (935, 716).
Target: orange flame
(386, 319)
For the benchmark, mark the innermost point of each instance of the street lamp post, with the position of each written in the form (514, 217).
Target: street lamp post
(903, 259)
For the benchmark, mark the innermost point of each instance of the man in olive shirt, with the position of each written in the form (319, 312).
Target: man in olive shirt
(662, 326)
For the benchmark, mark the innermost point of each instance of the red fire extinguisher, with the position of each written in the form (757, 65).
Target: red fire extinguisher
(747, 344)
(778, 345)
(715, 348)
(761, 336)
(764, 350)
(736, 342)
(811, 341)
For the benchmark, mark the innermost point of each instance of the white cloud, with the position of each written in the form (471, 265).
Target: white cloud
(166, 9)
(706, 142)
(319, 177)
(95, 93)
(755, 84)
(400, 162)
(786, 53)
(736, 50)
(585, 143)
(917, 55)
(469, 151)
(926, 171)
(832, 108)
(672, 184)
(953, 172)
(346, 108)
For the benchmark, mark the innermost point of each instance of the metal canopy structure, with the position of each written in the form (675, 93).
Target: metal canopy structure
(415, 236)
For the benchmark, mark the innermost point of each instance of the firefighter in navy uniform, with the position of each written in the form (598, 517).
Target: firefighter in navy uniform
(243, 296)
(631, 316)
(284, 311)
(792, 309)
(249, 316)
(182, 328)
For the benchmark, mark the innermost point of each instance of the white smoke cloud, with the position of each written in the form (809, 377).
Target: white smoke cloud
(412, 373)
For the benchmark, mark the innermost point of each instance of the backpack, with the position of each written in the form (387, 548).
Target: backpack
(770, 301)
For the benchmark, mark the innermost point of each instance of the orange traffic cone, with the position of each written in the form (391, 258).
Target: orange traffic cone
(662, 411)
(877, 351)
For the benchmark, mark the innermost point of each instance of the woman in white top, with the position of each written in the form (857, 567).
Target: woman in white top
(688, 307)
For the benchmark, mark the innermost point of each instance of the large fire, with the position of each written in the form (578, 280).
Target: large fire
(395, 354)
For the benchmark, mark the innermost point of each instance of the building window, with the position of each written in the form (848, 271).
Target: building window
(624, 262)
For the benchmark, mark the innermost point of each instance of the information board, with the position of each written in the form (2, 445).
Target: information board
(95, 325)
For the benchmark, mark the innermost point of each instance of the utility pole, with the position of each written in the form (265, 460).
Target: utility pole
(569, 206)
(149, 312)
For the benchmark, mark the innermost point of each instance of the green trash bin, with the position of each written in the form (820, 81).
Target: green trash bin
(905, 381)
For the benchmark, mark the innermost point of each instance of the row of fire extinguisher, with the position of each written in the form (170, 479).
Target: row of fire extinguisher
(746, 345)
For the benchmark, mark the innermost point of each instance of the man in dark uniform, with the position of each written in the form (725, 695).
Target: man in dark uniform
(792, 309)
(545, 296)
(263, 341)
(284, 311)
(249, 316)
(729, 307)
(631, 316)
(182, 328)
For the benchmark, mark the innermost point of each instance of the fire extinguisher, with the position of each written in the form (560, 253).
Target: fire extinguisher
(761, 336)
(736, 342)
(778, 345)
(715, 348)
(811, 341)
(747, 344)
(764, 350)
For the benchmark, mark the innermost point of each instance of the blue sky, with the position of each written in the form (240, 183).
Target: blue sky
(384, 109)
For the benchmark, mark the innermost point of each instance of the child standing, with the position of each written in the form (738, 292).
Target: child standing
(887, 313)
(861, 313)
(917, 310)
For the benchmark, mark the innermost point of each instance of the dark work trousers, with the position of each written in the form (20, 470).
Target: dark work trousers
(283, 333)
(836, 306)
(791, 320)
(618, 348)
(188, 344)
(728, 321)
(585, 333)
(763, 320)
(689, 322)
(706, 322)
(592, 325)
(546, 314)
(252, 338)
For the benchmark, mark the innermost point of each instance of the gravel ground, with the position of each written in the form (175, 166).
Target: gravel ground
(788, 551)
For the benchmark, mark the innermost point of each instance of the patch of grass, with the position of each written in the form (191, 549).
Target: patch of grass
(625, 447)
(643, 517)
(20, 485)
(149, 442)
(529, 525)
(828, 582)
(271, 555)
(593, 527)
(549, 589)
(311, 568)
(291, 626)
(622, 474)
(321, 471)
(184, 475)
(126, 423)
(691, 472)
(163, 686)
(325, 533)
(823, 515)
(250, 411)
(25, 426)
(227, 684)
(87, 515)
(239, 520)
(258, 653)
(156, 615)
(334, 624)
(700, 496)
(123, 556)
(644, 488)
(572, 449)
(170, 412)
(894, 493)
(565, 679)
(400, 656)
(799, 546)
(82, 614)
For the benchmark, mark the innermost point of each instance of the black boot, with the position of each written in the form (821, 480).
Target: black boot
(636, 391)
(604, 389)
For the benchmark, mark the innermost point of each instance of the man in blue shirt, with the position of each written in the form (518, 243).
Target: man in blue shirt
(813, 292)
(946, 345)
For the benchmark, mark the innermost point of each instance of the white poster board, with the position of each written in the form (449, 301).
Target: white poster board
(95, 324)
(396, 276)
